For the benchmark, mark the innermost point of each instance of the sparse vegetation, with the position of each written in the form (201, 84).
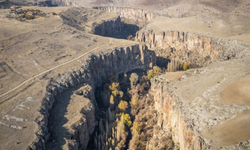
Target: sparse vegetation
(155, 72)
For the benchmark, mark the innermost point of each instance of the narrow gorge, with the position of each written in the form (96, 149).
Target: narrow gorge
(106, 103)
(115, 78)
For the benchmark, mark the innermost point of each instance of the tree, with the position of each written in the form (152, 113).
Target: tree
(133, 79)
(123, 105)
(112, 100)
(114, 87)
(185, 66)
(134, 100)
(136, 128)
(150, 74)
(157, 70)
(126, 120)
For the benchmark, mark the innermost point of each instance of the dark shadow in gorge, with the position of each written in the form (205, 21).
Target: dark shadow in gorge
(162, 62)
(126, 30)
(57, 120)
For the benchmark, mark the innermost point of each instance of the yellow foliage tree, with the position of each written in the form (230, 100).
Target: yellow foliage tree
(123, 105)
(150, 74)
(157, 70)
(136, 128)
(112, 99)
(114, 87)
(185, 66)
(126, 120)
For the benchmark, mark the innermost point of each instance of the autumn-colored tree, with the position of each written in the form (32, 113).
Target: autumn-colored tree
(112, 100)
(136, 128)
(127, 120)
(123, 105)
(150, 74)
(157, 70)
(114, 87)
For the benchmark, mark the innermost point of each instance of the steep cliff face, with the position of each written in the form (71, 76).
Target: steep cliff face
(190, 47)
(93, 21)
(170, 118)
(93, 73)
(191, 108)
(130, 13)
(108, 28)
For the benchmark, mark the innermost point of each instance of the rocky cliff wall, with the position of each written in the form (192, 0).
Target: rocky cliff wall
(108, 28)
(93, 72)
(130, 13)
(191, 107)
(92, 21)
(171, 118)
(190, 47)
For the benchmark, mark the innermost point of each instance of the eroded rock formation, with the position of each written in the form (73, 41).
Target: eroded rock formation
(190, 47)
(130, 13)
(93, 72)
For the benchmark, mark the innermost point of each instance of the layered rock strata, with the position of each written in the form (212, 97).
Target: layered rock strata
(93, 73)
(190, 47)
(130, 13)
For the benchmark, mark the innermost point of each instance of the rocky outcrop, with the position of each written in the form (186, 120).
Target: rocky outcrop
(130, 13)
(190, 47)
(93, 72)
(108, 28)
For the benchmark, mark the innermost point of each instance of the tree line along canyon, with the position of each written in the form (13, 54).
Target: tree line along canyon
(117, 75)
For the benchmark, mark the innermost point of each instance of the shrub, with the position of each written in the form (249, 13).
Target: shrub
(130, 37)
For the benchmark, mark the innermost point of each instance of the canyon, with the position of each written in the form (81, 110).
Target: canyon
(53, 92)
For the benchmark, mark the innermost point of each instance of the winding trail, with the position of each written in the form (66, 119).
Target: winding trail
(44, 72)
